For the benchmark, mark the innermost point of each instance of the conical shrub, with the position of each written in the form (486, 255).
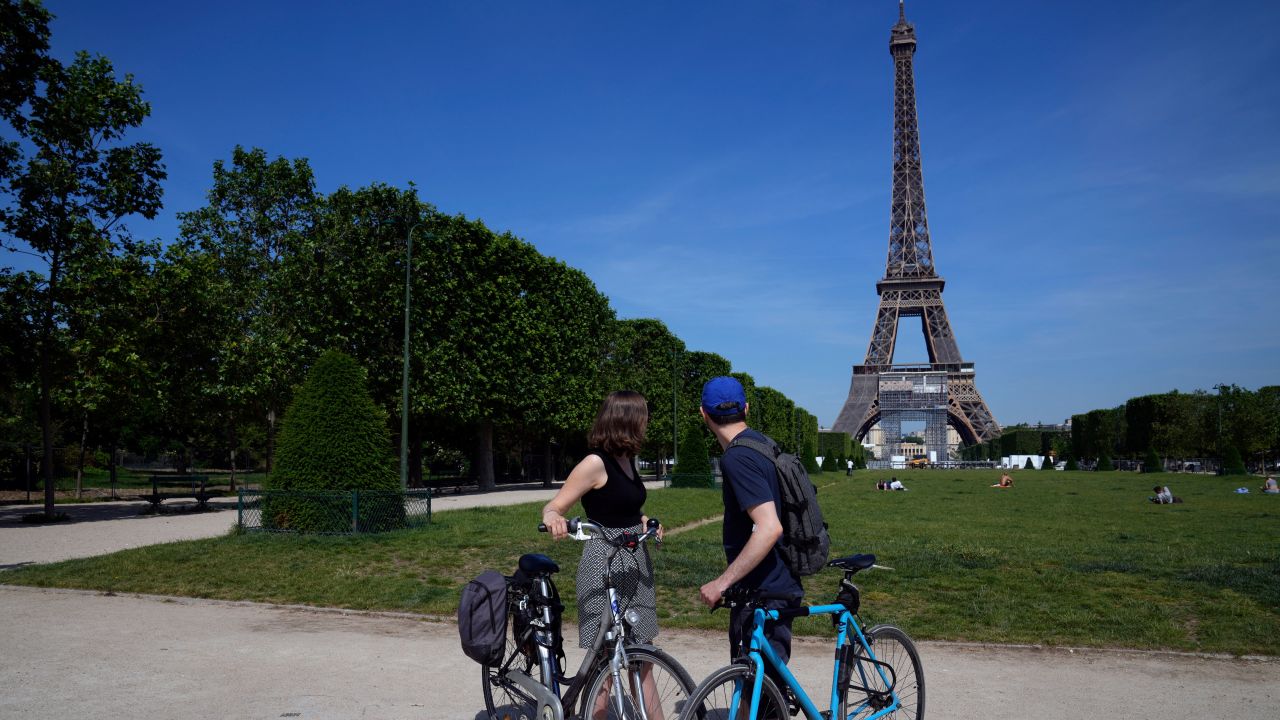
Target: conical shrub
(694, 464)
(334, 439)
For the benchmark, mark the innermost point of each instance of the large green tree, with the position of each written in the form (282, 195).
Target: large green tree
(643, 355)
(69, 179)
(259, 213)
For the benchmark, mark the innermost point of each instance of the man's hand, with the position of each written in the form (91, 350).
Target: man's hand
(713, 591)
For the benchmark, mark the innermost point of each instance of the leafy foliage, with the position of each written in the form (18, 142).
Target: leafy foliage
(333, 438)
(1152, 463)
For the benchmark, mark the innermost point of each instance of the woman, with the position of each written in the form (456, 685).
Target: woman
(608, 484)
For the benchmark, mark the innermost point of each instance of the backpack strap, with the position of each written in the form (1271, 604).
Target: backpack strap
(768, 449)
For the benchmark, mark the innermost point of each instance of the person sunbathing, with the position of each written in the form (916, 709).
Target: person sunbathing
(1005, 481)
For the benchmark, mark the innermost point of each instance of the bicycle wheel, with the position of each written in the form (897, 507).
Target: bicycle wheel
(503, 699)
(657, 687)
(865, 690)
(725, 695)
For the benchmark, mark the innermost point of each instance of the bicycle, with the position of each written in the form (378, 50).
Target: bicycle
(876, 673)
(641, 682)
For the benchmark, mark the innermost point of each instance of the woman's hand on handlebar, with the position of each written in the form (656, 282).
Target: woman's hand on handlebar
(556, 524)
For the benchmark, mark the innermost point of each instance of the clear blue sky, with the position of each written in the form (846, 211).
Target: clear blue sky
(1103, 179)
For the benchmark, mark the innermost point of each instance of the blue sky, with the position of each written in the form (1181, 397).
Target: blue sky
(1102, 179)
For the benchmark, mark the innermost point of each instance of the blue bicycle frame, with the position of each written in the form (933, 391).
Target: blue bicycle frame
(761, 651)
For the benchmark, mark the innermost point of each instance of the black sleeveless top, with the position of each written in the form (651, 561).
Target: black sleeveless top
(618, 503)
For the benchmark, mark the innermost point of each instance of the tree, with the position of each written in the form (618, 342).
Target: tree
(333, 439)
(1232, 463)
(1029, 465)
(1152, 463)
(829, 463)
(70, 181)
(695, 459)
(639, 356)
(259, 213)
(1104, 464)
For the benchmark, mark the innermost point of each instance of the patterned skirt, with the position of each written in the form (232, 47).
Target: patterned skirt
(633, 579)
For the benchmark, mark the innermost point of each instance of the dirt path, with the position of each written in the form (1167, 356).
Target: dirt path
(84, 654)
(81, 654)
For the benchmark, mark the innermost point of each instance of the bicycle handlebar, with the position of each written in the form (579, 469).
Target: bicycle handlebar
(580, 529)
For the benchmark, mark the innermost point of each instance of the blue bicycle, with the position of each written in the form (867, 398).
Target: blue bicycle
(876, 672)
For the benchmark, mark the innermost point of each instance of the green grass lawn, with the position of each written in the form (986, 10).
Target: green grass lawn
(1062, 558)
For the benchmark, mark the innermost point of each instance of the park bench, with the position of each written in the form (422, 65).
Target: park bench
(438, 483)
(166, 487)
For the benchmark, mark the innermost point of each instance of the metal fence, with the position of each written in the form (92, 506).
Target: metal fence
(332, 513)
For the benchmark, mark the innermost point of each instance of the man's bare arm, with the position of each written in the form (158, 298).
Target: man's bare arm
(763, 537)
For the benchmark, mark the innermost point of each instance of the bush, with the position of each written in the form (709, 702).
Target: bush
(1152, 463)
(333, 441)
(1104, 464)
(1232, 463)
(1072, 465)
(829, 463)
(694, 457)
(1047, 463)
(1029, 464)
(810, 463)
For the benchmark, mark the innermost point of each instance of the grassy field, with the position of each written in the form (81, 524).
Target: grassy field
(1062, 558)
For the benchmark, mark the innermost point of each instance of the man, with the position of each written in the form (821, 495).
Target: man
(849, 471)
(752, 528)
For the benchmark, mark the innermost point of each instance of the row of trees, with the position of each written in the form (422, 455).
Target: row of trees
(199, 343)
(1233, 422)
(1234, 425)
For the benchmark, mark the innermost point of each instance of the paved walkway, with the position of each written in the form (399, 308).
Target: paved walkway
(86, 654)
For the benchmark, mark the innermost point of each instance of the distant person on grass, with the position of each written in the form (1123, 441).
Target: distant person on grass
(1006, 481)
(1163, 496)
(1270, 486)
(894, 484)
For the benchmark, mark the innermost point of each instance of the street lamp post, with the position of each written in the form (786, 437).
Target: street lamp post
(404, 396)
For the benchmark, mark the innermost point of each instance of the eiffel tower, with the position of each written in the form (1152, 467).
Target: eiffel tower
(943, 391)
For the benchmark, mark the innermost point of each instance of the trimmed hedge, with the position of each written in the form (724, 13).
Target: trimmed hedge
(333, 438)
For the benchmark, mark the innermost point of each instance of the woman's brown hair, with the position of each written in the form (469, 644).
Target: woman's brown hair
(620, 424)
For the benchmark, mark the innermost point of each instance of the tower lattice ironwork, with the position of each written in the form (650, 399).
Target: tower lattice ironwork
(943, 391)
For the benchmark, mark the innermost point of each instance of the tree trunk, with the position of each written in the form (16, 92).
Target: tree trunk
(84, 437)
(115, 452)
(232, 432)
(415, 456)
(46, 382)
(483, 462)
(271, 439)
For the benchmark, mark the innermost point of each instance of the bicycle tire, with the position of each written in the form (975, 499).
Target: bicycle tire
(720, 694)
(861, 681)
(671, 681)
(503, 699)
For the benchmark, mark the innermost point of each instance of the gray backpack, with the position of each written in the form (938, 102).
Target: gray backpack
(482, 617)
(805, 543)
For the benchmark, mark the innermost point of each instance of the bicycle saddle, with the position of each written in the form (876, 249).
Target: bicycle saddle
(538, 563)
(853, 563)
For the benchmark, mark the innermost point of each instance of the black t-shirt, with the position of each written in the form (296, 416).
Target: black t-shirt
(619, 503)
(749, 480)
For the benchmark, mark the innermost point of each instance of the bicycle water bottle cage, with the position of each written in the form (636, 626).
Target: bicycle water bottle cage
(853, 563)
(538, 564)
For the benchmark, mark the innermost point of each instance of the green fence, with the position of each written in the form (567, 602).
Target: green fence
(333, 513)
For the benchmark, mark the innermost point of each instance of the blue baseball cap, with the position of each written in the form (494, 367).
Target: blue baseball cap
(724, 396)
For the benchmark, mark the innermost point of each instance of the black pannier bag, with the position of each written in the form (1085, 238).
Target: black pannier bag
(482, 617)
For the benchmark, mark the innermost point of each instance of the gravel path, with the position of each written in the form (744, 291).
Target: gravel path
(85, 654)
